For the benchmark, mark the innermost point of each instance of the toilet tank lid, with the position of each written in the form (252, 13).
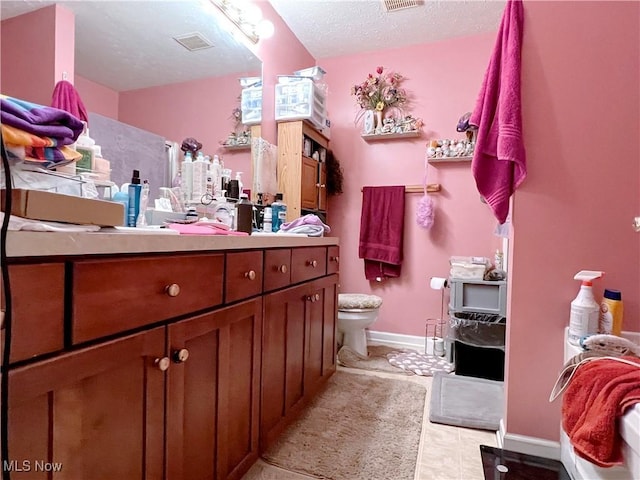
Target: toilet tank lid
(347, 301)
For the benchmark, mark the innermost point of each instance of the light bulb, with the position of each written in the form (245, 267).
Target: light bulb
(265, 29)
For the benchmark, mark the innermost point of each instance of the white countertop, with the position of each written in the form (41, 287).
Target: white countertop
(36, 244)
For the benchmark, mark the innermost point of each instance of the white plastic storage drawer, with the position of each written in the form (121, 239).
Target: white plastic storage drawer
(251, 105)
(478, 296)
(299, 100)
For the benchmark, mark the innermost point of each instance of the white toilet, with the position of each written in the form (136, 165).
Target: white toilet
(356, 311)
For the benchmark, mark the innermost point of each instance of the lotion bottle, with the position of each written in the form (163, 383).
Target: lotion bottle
(134, 190)
(187, 177)
(611, 310)
(584, 308)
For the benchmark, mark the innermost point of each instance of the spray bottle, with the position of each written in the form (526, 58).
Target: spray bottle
(584, 308)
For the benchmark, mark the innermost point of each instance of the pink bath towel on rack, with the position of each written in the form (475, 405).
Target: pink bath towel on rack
(499, 162)
(381, 231)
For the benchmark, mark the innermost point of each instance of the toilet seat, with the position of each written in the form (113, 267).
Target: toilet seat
(358, 302)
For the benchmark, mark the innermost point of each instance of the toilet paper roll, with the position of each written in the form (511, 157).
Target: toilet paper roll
(438, 283)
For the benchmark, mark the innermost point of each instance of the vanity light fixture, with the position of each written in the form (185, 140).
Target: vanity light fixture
(247, 17)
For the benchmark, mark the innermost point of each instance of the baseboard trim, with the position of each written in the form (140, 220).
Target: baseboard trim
(396, 340)
(529, 445)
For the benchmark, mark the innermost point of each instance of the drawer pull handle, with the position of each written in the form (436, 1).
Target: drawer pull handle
(311, 298)
(162, 363)
(283, 268)
(180, 356)
(172, 290)
(251, 275)
(312, 263)
(335, 259)
(316, 297)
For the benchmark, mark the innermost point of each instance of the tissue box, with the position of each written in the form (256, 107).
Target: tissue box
(471, 268)
(56, 207)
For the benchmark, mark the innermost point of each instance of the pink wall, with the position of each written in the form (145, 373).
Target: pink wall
(581, 111)
(443, 88)
(30, 69)
(200, 109)
(97, 98)
(282, 54)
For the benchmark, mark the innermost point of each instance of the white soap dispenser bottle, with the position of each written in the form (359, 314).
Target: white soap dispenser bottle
(584, 308)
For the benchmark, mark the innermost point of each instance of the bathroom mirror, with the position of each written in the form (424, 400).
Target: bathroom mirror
(122, 47)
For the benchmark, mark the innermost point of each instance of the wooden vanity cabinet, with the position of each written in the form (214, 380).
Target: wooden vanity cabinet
(213, 393)
(198, 389)
(298, 353)
(97, 412)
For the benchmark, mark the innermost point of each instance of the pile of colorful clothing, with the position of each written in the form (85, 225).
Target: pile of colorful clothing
(39, 134)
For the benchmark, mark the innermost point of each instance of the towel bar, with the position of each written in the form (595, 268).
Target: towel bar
(431, 188)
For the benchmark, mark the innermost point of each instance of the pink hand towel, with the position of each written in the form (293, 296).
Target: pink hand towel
(66, 97)
(499, 163)
(381, 231)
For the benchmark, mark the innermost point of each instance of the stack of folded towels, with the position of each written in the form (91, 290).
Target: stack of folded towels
(39, 134)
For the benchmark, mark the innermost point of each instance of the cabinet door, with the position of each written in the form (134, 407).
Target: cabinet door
(309, 187)
(94, 413)
(283, 350)
(321, 325)
(213, 393)
(322, 187)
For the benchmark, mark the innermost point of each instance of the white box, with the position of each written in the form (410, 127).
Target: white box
(470, 268)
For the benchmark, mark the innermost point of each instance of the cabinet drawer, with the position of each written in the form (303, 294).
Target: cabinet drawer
(243, 275)
(37, 293)
(333, 259)
(112, 296)
(277, 269)
(307, 263)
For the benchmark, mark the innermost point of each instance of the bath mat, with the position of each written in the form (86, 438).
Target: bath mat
(466, 401)
(360, 427)
(375, 361)
(420, 363)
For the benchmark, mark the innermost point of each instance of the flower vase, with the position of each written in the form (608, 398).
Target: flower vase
(378, 129)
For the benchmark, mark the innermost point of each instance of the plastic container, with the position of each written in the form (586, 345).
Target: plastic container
(278, 213)
(585, 311)
(199, 183)
(251, 105)
(266, 222)
(611, 309)
(300, 99)
(470, 268)
(244, 214)
(123, 198)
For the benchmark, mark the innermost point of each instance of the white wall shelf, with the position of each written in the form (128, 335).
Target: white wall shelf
(245, 146)
(390, 136)
(449, 159)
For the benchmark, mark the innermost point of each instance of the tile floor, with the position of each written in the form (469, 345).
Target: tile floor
(445, 452)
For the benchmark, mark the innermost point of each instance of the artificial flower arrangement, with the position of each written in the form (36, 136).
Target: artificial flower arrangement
(381, 91)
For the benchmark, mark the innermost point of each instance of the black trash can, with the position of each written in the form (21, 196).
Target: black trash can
(478, 340)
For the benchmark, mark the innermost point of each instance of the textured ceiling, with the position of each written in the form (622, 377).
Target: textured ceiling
(330, 28)
(126, 45)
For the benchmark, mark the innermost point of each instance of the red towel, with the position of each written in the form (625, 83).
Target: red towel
(381, 231)
(600, 392)
(499, 162)
(66, 97)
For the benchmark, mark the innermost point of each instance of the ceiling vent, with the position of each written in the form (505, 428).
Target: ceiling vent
(393, 5)
(193, 41)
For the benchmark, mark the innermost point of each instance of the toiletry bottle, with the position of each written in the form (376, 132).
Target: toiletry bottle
(611, 309)
(278, 212)
(244, 214)
(498, 260)
(199, 186)
(266, 222)
(584, 309)
(239, 179)
(144, 202)
(234, 190)
(216, 176)
(123, 197)
(187, 177)
(134, 190)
